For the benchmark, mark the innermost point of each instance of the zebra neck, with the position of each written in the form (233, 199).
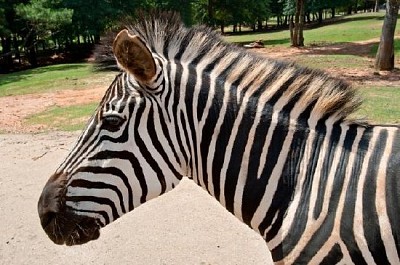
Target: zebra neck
(241, 157)
(337, 181)
(271, 175)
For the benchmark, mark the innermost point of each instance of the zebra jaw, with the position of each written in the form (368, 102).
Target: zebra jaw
(61, 224)
(70, 229)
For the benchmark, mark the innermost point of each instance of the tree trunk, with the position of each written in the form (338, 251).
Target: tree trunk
(259, 25)
(96, 38)
(349, 10)
(385, 56)
(16, 49)
(6, 54)
(30, 48)
(320, 14)
(298, 39)
(210, 11)
(308, 17)
(291, 26)
(376, 9)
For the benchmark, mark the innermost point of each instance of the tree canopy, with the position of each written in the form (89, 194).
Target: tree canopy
(31, 27)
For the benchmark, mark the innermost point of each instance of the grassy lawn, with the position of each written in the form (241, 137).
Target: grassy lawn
(396, 48)
(51, 78)
(381, 104)
(349, 29)
(331, 61)
(69, 118)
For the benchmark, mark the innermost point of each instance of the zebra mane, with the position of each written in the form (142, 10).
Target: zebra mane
(164, 32)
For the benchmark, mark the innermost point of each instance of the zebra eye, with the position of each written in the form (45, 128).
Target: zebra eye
(112, 122)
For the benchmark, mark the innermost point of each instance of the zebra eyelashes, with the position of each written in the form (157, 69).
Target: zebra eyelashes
(112, 122)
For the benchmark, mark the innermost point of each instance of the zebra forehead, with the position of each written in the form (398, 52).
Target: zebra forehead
(166, 35)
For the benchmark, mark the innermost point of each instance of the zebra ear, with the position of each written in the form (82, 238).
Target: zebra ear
(133, 56)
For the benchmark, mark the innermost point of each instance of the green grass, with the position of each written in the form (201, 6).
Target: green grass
(381, 104)
(332, 61)
(70, 118)
(374, 49)
(353, 28)
(51, 78)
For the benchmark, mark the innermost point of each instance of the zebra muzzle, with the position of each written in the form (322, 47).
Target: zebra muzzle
(61, 224)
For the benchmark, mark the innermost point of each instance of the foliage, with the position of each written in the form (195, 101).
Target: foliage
(43, 17)
(29, 28)
(231, 12)
(314, 6)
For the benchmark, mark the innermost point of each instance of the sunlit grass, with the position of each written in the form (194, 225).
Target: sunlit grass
(374, 48)
(51, 78)
(68, 118)
(353, 28)
(381, 104)
(332, 61)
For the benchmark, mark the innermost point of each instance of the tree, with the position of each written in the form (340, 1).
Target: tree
(376, 8)
(385, 56)
(183, 7)
(276, 7)
(231, 12)
(42, 19)
(297, 35)
(10, 27)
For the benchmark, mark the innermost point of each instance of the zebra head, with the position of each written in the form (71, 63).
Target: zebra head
(124, 157)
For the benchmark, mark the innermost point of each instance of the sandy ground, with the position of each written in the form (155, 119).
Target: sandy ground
(185, 226)
(12, 115)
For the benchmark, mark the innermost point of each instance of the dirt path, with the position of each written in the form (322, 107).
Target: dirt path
(185, 226)
(357, 77)
(14, 109)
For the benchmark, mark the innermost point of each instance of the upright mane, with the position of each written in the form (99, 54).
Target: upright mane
(166, 35)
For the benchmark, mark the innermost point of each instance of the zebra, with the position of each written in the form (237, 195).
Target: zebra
(275, 143)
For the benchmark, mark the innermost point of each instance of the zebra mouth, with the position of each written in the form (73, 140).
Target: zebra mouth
(70, 229)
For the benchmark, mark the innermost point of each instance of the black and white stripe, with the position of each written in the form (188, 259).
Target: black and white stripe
(273, 142)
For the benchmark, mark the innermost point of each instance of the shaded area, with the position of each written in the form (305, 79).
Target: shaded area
(344, 19)
(268, 42)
